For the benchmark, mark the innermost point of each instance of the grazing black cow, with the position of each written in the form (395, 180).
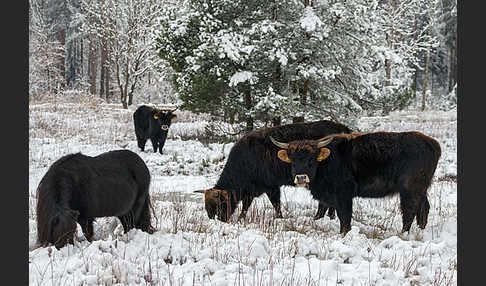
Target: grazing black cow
(79, 188)
(152, 123)
(252, 169)
(370, 165)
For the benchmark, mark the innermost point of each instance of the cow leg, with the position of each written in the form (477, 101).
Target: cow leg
(87, 227)
(423, 212)
(345, 212)
(141, 143)
(127, 221)
(155, 144)
(162, 143)
(137, 211)
(409, 206)
(274, 197)
(321, 210)
(246, 202)
(331, 213)
(144, 220)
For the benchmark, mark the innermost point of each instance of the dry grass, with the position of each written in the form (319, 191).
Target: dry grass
(56, 126)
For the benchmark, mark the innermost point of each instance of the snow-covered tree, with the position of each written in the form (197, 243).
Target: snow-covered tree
(278, 60)
(126, 26)
(46, 75)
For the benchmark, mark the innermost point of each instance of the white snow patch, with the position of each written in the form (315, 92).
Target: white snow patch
(310, 21)
(240, 77)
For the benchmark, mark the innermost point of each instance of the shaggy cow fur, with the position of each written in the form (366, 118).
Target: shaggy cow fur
(152, 123)
(369, 165)
(253, 168)
(79, 188)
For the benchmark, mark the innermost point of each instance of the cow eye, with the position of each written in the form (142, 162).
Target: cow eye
(156, 116)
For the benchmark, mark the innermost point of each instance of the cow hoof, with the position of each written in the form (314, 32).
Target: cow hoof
(344, 230)
(241, 218)
(316, 217)
(150, 230)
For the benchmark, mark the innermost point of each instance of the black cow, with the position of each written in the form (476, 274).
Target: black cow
(370, 165)
(152, 123)
(252, 169)
(79, 188)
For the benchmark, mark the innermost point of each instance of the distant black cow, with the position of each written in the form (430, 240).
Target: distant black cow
(370, 165)
(79, 188)
(252, 169)
(152, 123)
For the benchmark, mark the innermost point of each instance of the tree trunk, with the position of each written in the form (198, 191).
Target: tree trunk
(454, 75)
(103, 67)
(248, 105)
(390, 41)
(92, 67)
(81, 56)
(108, 75)
(130, 98)
(125, 88)
(427, 60)
(387, 72)
(62, 67)
(452, 68)
(124, 100)
(305, 86)
(415, 83)
(305, 91)
(277, 121)
(449, 70)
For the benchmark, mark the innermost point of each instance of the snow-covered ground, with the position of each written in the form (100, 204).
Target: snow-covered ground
(191, 249)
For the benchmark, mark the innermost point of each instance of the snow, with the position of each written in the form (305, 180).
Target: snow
(191, 249)
(241, 76)
(282, 57)
(310, 21)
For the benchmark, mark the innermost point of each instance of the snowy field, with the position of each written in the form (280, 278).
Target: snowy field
(191, 249)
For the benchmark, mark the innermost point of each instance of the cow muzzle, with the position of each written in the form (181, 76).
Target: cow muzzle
(164, 127)
(301, 180)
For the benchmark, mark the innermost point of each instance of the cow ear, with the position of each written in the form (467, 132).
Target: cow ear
(323, 154)
(173, 117)
(282, 155)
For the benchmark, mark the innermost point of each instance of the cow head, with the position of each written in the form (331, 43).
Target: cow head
(304, 157)
(163, 118)
(62, 227)
(218, 202)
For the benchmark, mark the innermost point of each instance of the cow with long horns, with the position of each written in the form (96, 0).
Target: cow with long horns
(252, 168)
(369, 165)
(152, 123)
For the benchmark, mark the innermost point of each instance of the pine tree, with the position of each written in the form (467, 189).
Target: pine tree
(274, 61)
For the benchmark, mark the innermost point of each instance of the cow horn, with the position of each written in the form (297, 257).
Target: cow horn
(200, 191)
(169, 110)
(323, 142)
(279, 144)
